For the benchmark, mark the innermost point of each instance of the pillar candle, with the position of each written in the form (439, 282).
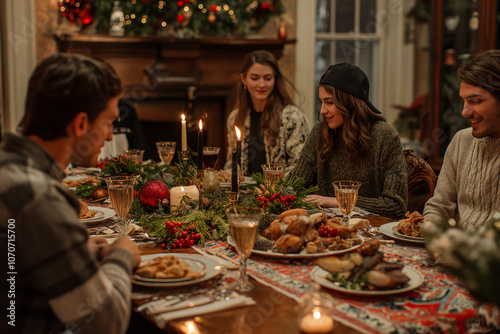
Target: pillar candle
(200, 147)
(316, 323)
(177, 193)
(184, 133)
(234, 172)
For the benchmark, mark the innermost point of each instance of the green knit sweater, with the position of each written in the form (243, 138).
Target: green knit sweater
(381, 170)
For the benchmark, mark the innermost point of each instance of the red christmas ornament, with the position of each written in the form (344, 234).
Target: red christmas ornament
(77, 11)
(152, 192)
(180, 3)
(180, 18)
(213, 8)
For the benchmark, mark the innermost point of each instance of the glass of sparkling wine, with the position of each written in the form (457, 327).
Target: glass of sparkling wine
(244, 225)
(346, 193)
(273, 172)
(166, 151)
(121, 194)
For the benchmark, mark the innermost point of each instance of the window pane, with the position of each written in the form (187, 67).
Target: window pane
(323, 16)
(323, 59)
(368, 13)
(368, 62)
(344, 15)
(345, 52)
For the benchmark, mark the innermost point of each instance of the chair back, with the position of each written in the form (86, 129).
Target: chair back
(419, 171)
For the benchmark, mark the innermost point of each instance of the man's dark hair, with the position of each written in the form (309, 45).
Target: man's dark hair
(482, 70)
(61, 86)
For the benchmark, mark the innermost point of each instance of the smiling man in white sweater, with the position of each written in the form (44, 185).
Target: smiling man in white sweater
(468, 187)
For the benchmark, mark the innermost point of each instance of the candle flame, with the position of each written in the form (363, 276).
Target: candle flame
(238, 133)
(182, 188)
(316, 315)
(183, 117)
(201, 125)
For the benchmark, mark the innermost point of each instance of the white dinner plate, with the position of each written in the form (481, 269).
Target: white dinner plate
(195, 264)
(399, 234)
(248, 180)
(102, 214)
(416, 280)
(213, 268)
(387, 230)
(299, 255)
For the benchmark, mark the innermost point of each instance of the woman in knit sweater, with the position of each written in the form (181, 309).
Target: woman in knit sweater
(353, 142)
(273, 129)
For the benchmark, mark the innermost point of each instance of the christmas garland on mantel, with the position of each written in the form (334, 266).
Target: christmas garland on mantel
(175, 18)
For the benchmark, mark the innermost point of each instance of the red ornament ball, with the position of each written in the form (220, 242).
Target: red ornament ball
(180, 18)
(213, 8)
(180, 3)
(152, 192)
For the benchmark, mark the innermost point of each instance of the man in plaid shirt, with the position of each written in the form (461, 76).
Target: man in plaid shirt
(59, 280)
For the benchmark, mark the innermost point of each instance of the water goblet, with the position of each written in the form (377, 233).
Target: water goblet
(244, 225)
(273, 172)
(135, 155)
(210, 157)
(346, 193)
(166, 151)
(121, 194)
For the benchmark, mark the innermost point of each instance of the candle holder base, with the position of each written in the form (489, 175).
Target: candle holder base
(184, 155)
(233, 197)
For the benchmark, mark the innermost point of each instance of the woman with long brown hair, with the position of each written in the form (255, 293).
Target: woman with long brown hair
(273, 128)
(353, 142)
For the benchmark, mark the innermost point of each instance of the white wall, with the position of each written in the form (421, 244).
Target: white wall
(18, 58)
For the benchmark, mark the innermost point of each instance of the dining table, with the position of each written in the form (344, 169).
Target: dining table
(439, 304)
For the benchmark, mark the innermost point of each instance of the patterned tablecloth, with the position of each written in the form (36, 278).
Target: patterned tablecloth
(439, 305)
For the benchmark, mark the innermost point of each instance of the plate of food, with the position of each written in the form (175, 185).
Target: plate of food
(74, 181)
(296, 235)
(366, 273)
(210, 268)
(170, 268)
(94, 214)
(388, 231)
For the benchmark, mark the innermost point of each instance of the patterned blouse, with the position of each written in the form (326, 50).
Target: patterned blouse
(292, 136)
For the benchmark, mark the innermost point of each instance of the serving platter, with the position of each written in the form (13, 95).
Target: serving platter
(101, 215)
(387, 230)
(195, 264)
(416, 280)
(213, 268)
(300, 255)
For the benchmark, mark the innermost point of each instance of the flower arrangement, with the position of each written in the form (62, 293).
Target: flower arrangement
(472, 256)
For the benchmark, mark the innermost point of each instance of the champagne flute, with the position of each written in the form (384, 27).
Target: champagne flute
(121, 194)
(166, 151)
(346, 193)
(273, 172)
(210, 157)
(244, 225)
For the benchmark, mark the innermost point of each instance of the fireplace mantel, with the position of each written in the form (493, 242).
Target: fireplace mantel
(165, 77)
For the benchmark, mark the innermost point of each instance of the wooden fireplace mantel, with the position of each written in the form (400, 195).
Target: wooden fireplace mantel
(165, 77)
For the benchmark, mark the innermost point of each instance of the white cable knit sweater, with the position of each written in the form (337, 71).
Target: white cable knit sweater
(468, 187)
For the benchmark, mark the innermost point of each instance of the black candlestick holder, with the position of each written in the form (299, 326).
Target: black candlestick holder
(184, 155)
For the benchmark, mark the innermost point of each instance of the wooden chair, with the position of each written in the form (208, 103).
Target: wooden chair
(419, 171)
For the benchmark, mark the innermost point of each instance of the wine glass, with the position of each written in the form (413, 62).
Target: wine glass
(166, 151)
(273, 172)
(210, 157)
(244, 225)
(346, 193)
(121, 194)
(135, 155)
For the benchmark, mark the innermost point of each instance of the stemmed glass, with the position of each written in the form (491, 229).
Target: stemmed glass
(166, 151)
(346, 193)
(210, 157)
(135, 155)
(244, 225)
(121, 194)
(273, 172)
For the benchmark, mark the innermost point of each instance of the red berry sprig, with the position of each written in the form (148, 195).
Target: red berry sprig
(184, 238)
(286, 200)
(327, 232)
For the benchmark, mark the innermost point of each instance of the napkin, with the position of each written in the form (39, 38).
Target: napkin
(162, 319)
